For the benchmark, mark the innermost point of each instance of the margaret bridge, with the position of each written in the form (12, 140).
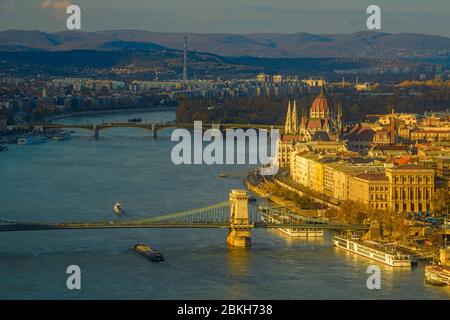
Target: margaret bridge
(151, 127)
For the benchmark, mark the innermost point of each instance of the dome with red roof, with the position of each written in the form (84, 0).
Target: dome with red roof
(321, 106)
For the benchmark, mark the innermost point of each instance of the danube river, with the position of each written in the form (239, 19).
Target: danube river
(80, 179)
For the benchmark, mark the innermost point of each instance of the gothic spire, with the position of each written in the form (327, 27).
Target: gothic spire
(288, 124)
(294, 118)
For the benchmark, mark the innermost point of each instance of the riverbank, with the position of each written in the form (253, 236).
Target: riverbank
(261, 192)
(107, 112)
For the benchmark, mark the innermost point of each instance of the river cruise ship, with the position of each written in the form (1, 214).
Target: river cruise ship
(373, 250)
(438, 273)
(305, 232)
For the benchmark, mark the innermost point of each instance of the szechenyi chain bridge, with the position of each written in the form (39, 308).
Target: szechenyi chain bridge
(238, 214)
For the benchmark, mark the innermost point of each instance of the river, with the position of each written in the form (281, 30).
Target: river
(79, 179)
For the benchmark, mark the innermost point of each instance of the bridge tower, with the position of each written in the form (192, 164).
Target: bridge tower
(239, 234)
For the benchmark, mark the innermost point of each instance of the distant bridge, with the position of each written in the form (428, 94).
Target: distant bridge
(238, 215)
(152, 127)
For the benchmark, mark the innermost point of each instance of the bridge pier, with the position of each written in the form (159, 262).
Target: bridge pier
(154, 131)
(239, 233)
(374, 232)
(95, 129)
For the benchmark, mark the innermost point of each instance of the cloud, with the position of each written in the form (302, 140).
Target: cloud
(55, 4)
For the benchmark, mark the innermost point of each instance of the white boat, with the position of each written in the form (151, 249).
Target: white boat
(117, 208)
(32, 140)
(305, 232)
(62, 136)
(373, 250)
(437, 275)
(302, 232)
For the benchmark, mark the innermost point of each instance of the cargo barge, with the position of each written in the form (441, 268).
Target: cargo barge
(149, 252)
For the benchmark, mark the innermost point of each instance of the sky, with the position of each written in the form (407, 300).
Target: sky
(230, 16)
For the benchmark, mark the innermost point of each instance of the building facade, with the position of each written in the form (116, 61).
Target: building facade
(411, 187)
(371, 189)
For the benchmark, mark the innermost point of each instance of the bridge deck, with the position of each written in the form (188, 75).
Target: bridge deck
(202, 225)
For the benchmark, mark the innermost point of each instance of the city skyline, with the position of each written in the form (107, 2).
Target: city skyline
(201, 16)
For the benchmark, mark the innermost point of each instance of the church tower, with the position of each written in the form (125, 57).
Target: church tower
(288, 124)
(340, 125)
(294, 118)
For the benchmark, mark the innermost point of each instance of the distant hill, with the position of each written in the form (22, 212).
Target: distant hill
(362, 44)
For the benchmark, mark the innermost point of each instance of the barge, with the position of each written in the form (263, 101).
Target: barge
(149, 252)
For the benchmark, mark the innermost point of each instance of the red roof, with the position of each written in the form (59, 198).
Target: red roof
(291, 137)
(402, 160)
(321, 103)
(314, 124)
(360, 133)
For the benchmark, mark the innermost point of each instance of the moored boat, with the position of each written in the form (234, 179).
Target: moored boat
(3, 147)
(62, 136)
(438, 273)
(149, 252)
(295, 232)
(374, 251)
(31, 140)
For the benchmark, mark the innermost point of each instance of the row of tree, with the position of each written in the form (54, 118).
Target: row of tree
(272, 110)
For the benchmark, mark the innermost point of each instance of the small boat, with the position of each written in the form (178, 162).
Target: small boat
(32, 140)
(62, 136)
(117, 208)
(3, 147)
(149, 252)
(223, 175)
(135, 120)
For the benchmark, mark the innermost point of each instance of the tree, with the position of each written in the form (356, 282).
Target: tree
(441, 202)
(352, 212)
